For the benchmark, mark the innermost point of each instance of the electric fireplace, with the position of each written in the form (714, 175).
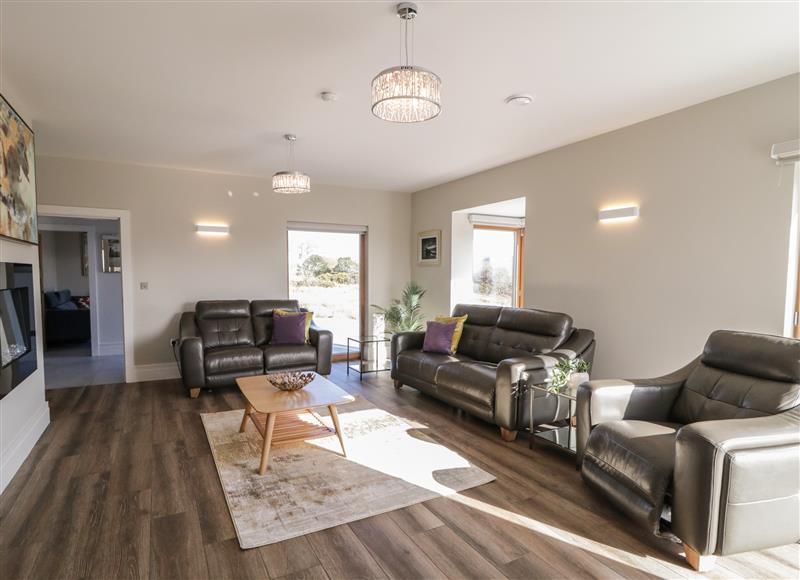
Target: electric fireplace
(17, 328)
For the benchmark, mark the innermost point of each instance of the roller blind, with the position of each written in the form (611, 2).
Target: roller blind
(322, 227)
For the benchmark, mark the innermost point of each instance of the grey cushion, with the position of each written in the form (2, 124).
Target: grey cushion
(473, 381)
(55, 298)
(424, 365)
(289, 356)
(633, 461)
(233, 358)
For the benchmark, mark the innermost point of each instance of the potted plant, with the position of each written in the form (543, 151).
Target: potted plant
(568, 373)
(405, 314)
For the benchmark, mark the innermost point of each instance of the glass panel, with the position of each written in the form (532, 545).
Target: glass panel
(324, 277)
(493, 266)
(13, 339)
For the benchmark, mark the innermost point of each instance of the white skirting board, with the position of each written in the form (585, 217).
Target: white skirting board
(110, 348)
(18, 450)
(152, 372)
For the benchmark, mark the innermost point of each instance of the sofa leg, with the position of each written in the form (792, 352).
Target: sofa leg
(194, 393)
(696, 561)
(397, 385)
(507, 434)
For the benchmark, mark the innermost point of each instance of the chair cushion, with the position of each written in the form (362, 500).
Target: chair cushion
(469, 380)
(424, 365)
(228, 359)
(289, 356)
(632, 463)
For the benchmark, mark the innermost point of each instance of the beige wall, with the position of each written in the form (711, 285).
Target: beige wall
(182, 267)
(709, 251)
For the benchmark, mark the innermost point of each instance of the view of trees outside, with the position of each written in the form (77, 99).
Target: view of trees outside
(493, 259)
(323, 277)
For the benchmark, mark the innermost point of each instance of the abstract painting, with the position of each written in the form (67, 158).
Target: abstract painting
(17, 177)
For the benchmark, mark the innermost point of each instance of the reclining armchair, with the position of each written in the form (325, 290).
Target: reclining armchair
(709, 454)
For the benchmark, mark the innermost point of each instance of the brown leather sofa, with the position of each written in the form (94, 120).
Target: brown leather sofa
(225, 339)
(709, 454)
(499, 348)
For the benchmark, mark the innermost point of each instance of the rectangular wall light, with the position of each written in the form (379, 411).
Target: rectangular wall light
(617, 214)
(212, 229)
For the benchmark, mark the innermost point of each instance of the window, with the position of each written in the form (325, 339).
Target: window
(497, 265)
(325, 276)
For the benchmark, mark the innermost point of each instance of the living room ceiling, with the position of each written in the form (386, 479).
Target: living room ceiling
(214, 86)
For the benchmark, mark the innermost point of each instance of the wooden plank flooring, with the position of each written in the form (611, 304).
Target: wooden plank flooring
(122, 485)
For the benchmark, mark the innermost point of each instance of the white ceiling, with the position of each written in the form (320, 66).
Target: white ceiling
(213, 86)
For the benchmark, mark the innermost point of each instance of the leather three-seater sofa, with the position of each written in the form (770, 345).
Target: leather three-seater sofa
(499, 348)
(226, 339)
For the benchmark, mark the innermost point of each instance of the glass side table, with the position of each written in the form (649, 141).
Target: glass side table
(374, 354)
(565, 436)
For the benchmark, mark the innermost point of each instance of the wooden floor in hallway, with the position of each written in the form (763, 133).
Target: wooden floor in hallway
(122, 485)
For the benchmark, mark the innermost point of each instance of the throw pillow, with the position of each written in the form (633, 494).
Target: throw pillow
(284, 312)
(439, 337)
(289, 329)
(459, 320)
(67, 306)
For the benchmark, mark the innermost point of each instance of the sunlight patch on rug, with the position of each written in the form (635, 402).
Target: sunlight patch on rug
(310, 486)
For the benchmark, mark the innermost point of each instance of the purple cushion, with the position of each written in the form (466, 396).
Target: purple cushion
(439, 337)
(289, 329)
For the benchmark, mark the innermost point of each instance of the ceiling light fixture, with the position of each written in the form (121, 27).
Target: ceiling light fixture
(291, 181)
(519, 100)
(406, 93)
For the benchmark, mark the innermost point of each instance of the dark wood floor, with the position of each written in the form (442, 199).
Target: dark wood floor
(122, 485)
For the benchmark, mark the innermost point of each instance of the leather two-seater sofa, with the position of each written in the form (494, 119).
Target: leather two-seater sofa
(499, 348)
(226, 339)
(709, 453)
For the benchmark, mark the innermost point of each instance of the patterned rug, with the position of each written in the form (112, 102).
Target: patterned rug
(310, 486)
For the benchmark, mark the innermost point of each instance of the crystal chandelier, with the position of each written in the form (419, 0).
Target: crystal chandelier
(406, 93)
(291, 181)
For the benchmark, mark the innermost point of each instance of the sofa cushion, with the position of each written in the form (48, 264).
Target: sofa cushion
(478, 328)
(632, 462)
(55, 298)
(227, 359)
(289, 329)
(524, 331)
(469, 380)
(424, 365)
(439, 337)
(286, 356)
(261, 312)
(224, 323)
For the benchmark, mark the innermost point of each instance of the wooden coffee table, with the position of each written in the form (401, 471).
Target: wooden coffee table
(286, 416)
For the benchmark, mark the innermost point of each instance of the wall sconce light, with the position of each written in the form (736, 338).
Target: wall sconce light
(212, 229)
(618, 214)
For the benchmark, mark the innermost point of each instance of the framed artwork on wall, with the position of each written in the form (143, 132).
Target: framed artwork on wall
(17, 177)
(429, 248)
(112, 254)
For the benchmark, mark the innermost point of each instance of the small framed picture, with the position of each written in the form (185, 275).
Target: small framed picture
(429, 248)
(112, 256)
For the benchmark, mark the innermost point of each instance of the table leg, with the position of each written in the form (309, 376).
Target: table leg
(335, 417)
(267, 442)
(247, 410)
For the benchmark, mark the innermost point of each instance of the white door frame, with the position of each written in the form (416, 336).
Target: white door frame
(125, 237)
(94, 294)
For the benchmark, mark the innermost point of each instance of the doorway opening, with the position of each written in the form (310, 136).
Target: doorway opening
(487, 254)
(82, 301)
(327, 275)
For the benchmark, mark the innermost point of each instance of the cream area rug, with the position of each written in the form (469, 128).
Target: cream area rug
(309, 486)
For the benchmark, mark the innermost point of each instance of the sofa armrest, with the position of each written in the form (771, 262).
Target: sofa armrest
(322, 340)
(189, 348)
(580, 344)
(404, 341)
(510, 372)
(736, 483)
(616, 399)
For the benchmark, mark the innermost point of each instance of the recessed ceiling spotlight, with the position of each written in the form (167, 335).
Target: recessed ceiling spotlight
(519, 100)
(256, 194)
(328, 96)
(230, 193)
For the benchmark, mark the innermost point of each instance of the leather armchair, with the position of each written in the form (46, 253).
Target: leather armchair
(709, 454)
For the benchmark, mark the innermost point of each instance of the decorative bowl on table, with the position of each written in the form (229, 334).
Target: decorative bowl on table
(290, 381)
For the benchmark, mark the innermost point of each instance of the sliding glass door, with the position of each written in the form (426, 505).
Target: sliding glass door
(325, 276)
